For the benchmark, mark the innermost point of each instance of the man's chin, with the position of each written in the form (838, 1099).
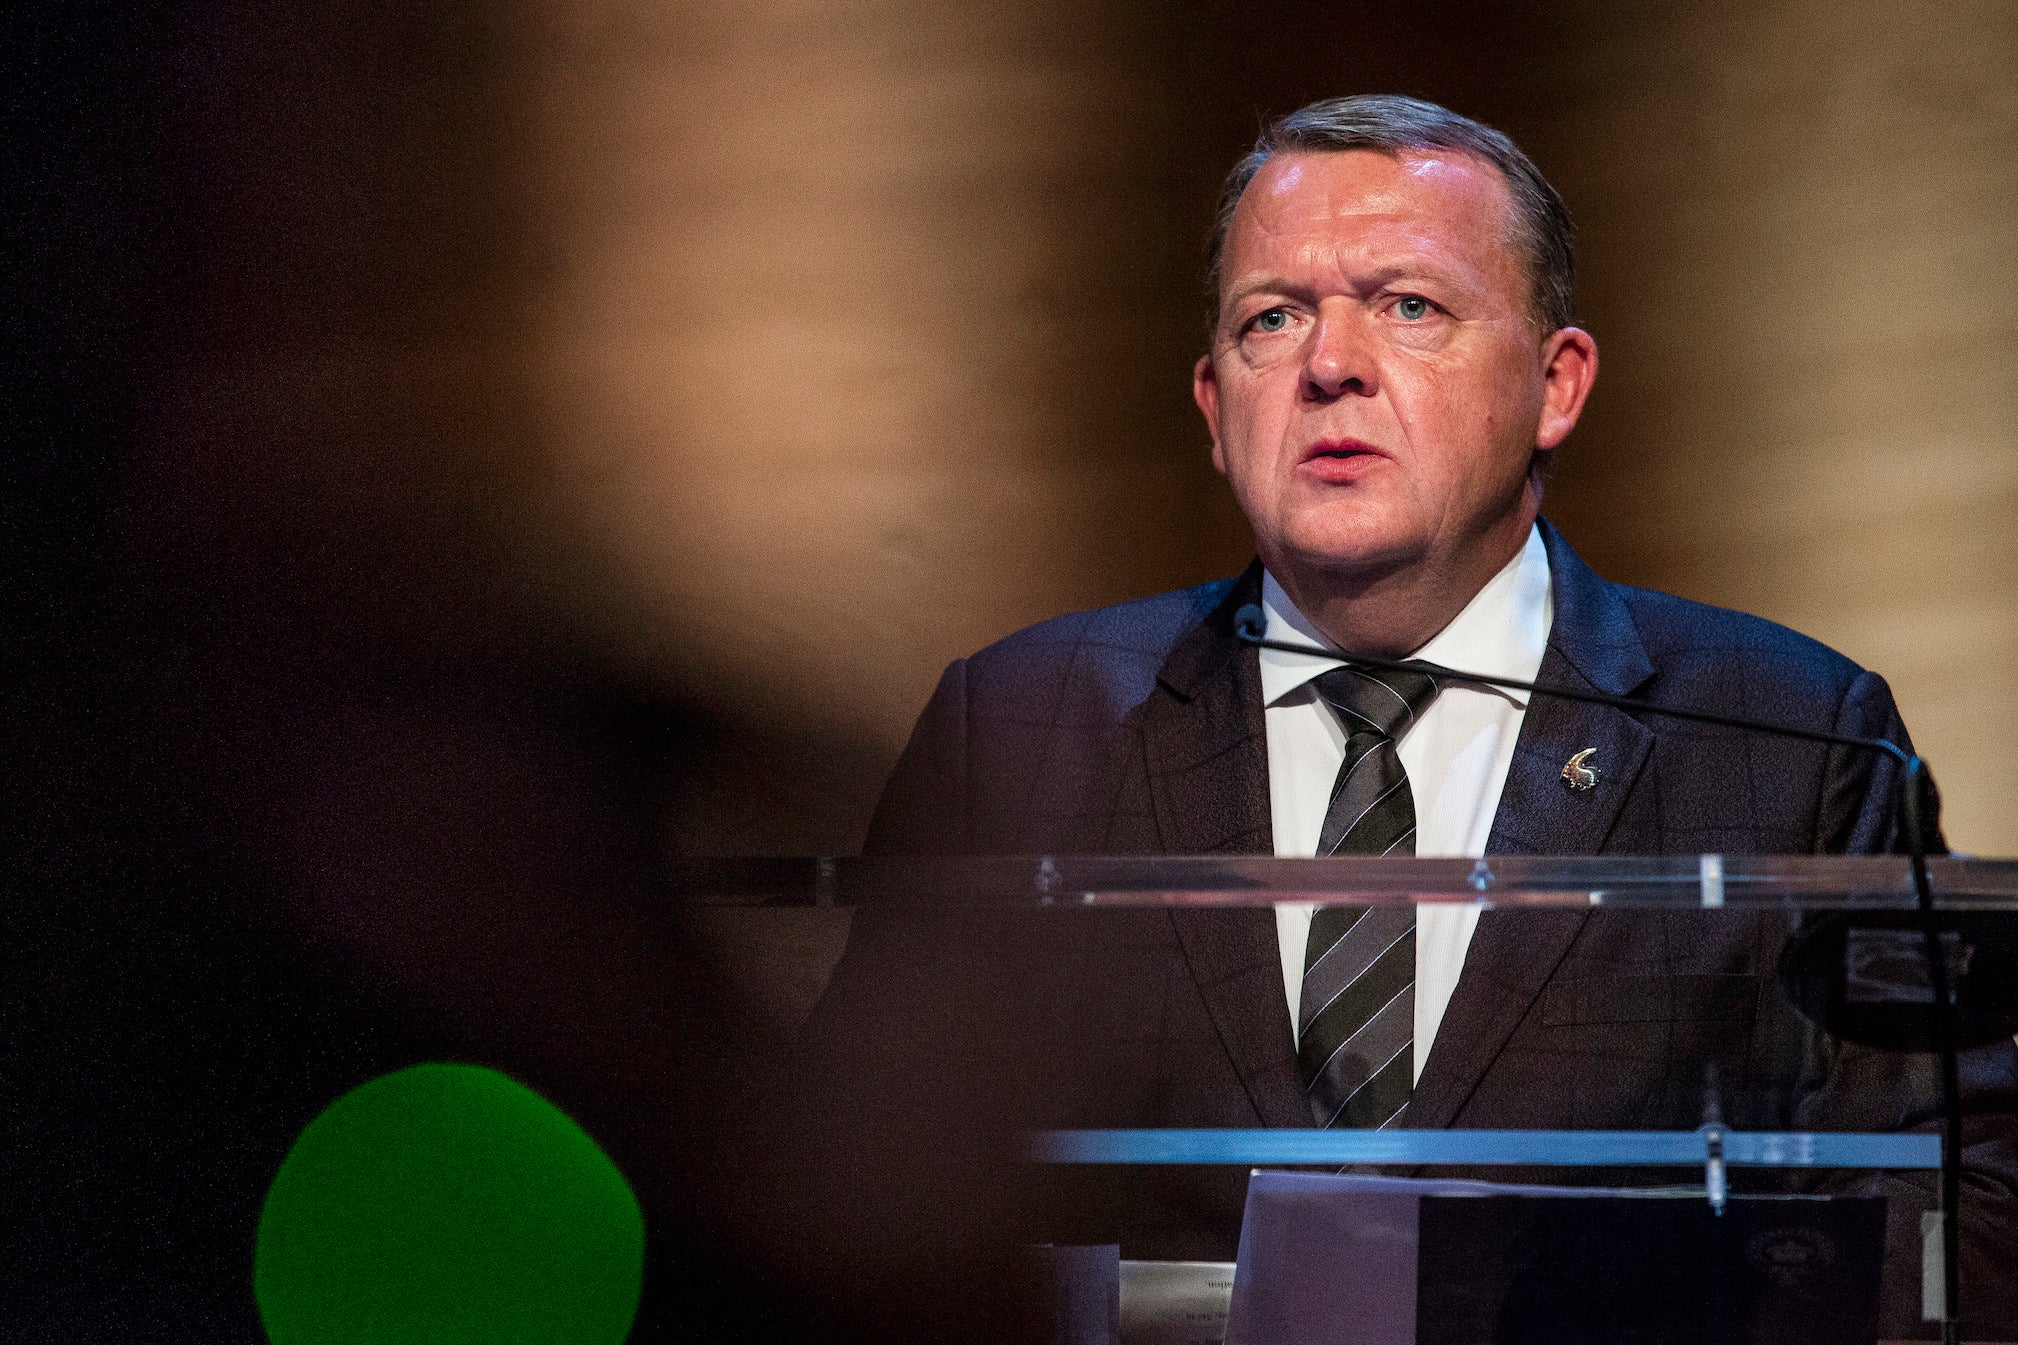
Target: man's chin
(1343, 558)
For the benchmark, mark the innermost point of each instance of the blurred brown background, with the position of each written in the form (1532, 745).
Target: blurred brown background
(863, 335)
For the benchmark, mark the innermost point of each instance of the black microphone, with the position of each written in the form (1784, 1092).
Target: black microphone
(1826, 956)
(1920, 802)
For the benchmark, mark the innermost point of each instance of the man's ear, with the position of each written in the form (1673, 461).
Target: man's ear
(1569, 367)
(1205, 391)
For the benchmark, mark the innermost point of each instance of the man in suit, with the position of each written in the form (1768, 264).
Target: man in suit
(1393, 365)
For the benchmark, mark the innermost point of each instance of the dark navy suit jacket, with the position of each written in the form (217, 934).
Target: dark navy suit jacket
(1138, 729)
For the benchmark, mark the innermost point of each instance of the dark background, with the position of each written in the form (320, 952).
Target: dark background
(459, 456)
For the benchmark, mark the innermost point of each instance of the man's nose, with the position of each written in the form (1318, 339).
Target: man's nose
(1339, 360)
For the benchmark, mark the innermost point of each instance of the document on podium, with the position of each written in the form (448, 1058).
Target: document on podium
(1351, 1260)
(1175, 1302)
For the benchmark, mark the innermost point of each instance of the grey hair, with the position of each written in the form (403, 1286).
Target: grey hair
(1394, 124)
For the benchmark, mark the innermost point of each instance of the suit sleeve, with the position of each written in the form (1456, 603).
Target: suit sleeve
(924, 806)
(1861, 789)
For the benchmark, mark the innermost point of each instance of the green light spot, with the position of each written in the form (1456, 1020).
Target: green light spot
(447, 1203)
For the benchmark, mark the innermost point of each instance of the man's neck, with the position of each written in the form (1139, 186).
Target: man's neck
(1391, 614)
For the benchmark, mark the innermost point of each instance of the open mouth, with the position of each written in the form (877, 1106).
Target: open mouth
(1339, 450)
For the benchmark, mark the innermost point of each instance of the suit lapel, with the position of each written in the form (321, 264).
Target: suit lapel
(1593, 645)
(1237, 965)
(1204, 744)
(1205, 752)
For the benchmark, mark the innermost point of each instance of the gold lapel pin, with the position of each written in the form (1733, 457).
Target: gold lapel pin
(1578, 773)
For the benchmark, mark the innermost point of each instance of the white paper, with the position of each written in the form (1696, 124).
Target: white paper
(1175, 1302)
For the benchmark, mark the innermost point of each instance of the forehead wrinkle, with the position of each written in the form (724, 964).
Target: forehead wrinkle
(1362, 264)
(1391, 217)
(1468, 177)
(1279, 210)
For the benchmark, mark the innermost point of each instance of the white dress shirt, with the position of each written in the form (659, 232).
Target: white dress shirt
(1456, 754)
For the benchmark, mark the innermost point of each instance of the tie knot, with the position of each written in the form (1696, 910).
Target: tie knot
(1380, 700)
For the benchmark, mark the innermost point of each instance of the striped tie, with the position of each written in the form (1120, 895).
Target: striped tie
(1356, 1020)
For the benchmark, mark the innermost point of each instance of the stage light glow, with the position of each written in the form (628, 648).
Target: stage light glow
(446, 1203)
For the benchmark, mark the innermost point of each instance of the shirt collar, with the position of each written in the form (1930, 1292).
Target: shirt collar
(1502, 631)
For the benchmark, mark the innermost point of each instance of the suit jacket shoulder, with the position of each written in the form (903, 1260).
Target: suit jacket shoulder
(1028, 719)
(1695, 642)
(1109, 655)
(1671, 786)
(1768, 671)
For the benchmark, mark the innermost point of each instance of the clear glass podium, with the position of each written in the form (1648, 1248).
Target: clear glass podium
(1778, 883)
(1720, 1030)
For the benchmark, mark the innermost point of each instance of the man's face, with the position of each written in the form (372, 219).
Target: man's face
(1377, 388)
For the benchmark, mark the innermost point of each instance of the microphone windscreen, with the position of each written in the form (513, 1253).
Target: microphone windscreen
(1250, 622)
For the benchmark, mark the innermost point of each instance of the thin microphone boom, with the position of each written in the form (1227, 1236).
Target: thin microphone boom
(1249, 624)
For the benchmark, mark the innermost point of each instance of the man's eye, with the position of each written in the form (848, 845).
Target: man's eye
(1274, 320)
(1412, 307)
